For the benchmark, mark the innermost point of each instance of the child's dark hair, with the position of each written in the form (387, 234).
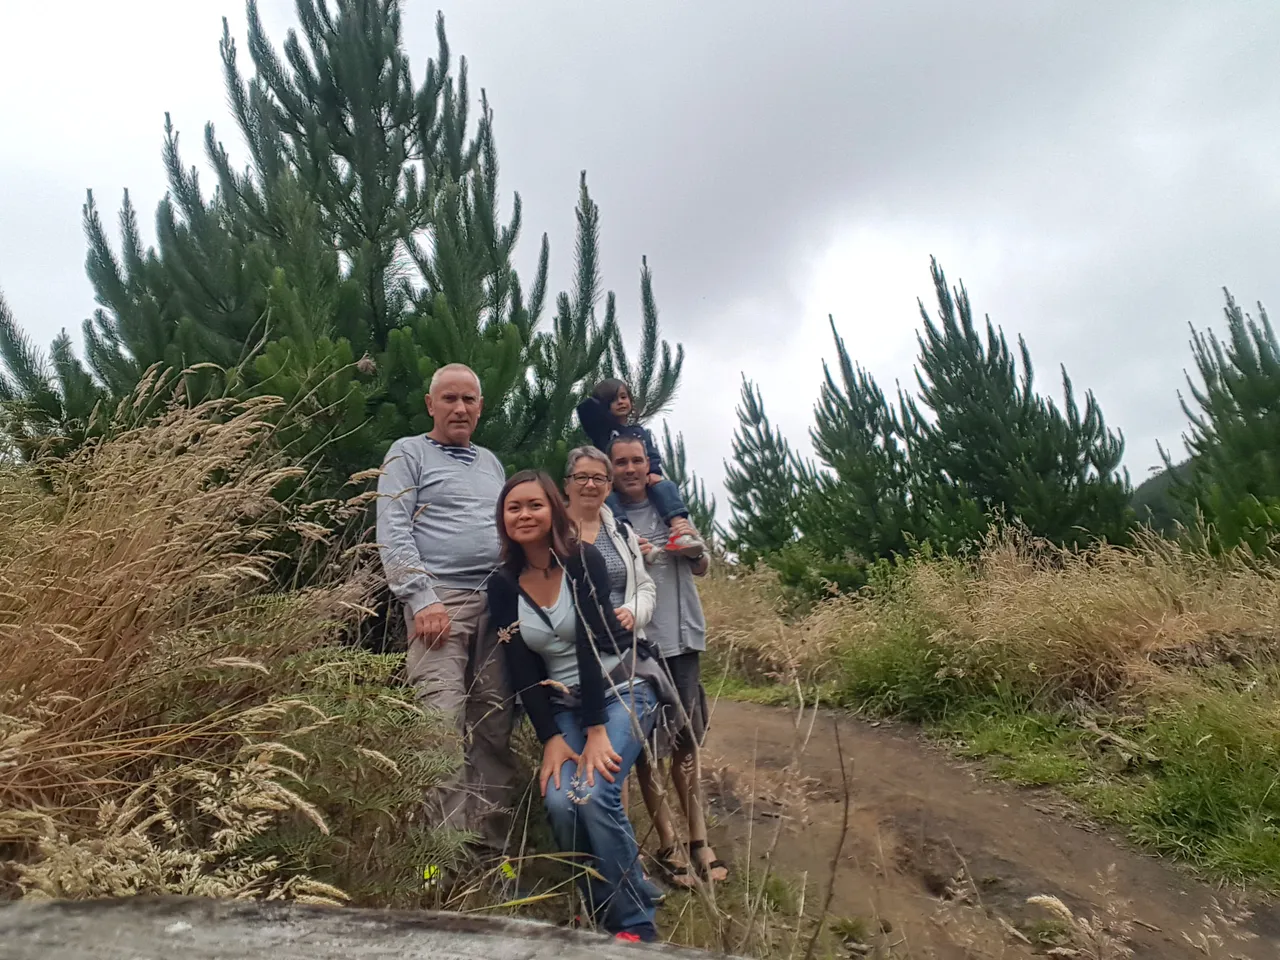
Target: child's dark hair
(607, 391)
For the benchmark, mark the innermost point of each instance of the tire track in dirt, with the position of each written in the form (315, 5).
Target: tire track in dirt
(933, 849)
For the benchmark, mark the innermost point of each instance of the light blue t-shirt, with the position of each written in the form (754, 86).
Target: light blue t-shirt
(557, 644)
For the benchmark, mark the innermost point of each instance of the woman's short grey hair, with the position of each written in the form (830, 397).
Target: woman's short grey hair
(587, 453)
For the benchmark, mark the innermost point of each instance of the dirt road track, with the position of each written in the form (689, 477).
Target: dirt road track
(920, 820)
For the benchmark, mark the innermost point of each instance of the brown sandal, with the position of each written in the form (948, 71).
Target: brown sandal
(677, 874)
(704, 869)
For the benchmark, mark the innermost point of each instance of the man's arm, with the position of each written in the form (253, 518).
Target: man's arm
(397, 505)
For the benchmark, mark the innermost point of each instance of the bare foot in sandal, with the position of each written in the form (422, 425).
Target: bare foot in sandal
(670, 866)
(709, 866)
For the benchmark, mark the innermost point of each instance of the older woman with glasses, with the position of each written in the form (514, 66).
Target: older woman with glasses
(588, 481)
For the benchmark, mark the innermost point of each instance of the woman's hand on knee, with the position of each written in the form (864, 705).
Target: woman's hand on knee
(599, 756)
(556, 752)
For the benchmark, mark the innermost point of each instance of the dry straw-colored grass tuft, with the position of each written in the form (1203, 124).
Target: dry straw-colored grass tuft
(1088, 623)
(145, 638)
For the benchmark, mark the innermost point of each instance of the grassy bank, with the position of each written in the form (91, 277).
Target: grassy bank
(179, 716)
(1143, 682)
(176, 716)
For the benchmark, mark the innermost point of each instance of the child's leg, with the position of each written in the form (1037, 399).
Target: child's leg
(665, 496)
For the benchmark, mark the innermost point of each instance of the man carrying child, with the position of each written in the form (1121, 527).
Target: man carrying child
(606, 416)
(678, 629)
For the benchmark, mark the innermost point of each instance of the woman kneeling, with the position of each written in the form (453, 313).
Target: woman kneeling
(574, 667)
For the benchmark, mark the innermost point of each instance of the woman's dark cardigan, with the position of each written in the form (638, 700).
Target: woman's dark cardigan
(599, 633)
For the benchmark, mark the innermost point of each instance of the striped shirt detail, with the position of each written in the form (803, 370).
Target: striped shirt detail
(465, 454)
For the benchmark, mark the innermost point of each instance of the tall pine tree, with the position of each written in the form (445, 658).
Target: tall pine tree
(1233, 475)
(653, 381)
(360, 249)
(858, 507)
(983, 441)
(764, 480)
(978, 444)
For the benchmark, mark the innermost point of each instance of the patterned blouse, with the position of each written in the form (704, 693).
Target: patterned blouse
(616, 566)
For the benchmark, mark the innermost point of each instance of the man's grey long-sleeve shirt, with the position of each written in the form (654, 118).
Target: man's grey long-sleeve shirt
(436, 523)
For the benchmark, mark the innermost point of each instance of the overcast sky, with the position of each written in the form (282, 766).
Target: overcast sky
(1094, 172)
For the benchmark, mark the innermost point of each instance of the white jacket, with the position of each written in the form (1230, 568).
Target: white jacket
(641, 594)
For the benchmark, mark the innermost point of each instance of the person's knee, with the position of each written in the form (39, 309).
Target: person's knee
(599, 802)
(444, 696)
(559, 803)
(667, 494)
(494, 728)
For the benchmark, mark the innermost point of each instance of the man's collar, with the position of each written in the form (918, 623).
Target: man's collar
(441, 443)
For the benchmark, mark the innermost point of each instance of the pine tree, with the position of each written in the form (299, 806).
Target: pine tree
(977, 445)
(989, 445)
(33, 409)
(702, 507)
(764, 481)
(1233, 475)
(858, 507)
(360, 250)
(653, 383)
(565, 362)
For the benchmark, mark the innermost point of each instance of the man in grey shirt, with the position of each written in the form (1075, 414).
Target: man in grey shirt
(438, 539)
(679, 631)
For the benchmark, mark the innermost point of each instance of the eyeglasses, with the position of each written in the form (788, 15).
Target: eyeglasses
(583, 479)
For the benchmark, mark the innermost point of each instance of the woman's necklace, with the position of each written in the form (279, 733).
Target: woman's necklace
(545, 571)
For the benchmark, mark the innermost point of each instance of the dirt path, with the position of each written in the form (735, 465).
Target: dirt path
(922, 827)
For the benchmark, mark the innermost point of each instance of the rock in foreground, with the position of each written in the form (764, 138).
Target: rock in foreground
(162, 928)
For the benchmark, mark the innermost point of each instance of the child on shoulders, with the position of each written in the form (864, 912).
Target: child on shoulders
(606, 414)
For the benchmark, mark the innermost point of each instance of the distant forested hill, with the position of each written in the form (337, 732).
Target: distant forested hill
(1154, 504)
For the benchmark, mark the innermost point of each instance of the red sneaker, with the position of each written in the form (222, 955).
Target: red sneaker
(685, 544)
(627, 937)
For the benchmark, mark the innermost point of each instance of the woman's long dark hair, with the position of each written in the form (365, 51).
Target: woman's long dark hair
(563, 537)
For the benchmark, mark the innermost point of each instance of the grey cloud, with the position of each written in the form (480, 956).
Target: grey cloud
(1120, 156)
(721, 137)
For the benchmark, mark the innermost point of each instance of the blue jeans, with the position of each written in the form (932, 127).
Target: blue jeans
(665, 497)
(590, 820)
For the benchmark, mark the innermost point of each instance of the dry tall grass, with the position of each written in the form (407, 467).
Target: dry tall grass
(1089, 623)
(1146, 679)
(169, 706)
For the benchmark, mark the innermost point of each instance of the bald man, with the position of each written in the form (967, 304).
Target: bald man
(438, 540)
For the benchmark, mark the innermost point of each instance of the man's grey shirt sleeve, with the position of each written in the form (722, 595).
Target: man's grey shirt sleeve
(397, 503)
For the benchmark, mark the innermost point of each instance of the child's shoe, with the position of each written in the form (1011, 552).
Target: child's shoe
(686, 544)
